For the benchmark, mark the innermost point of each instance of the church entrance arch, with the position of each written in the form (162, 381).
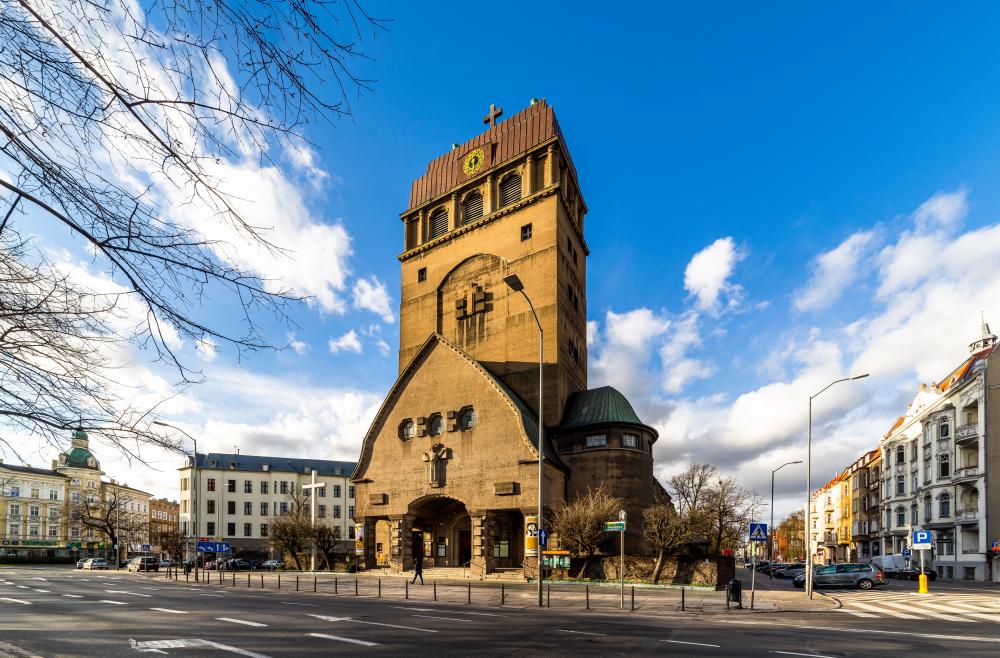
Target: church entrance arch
(441, 531)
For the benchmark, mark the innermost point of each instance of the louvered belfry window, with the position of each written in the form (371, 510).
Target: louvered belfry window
(439, 223)
(472, 208)
(510, 190)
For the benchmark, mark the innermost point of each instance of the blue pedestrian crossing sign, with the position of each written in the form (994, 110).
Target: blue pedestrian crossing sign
(758, 532)
(921, 540)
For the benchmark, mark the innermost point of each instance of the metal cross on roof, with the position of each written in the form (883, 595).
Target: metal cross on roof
(493, 114)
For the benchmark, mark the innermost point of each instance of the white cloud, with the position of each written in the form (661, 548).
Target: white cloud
(383, 347)
(349, 342)
(207, 350)
(707, 274)
(299, 346)
(370, 294)
(679, 369)
(834, 271)
(943, 209)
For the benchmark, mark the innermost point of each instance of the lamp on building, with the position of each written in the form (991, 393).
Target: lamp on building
(808, 517)
(515, 284)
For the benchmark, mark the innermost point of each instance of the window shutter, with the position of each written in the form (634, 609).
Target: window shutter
(439, 222)
(472, 208)
(510, 190)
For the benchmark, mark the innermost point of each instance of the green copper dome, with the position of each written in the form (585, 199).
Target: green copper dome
(79, 455)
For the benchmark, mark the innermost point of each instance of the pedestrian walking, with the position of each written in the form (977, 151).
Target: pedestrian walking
(418, 569)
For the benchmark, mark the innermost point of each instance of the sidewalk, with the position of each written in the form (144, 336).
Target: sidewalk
(562, 596)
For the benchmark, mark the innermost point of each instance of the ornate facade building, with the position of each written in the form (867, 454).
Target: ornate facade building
(448, 469)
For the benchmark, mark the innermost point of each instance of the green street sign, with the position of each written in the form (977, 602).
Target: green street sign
(614, 526)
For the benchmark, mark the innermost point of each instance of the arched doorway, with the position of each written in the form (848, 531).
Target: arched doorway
(442, 531)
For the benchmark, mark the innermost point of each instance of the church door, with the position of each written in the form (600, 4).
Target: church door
(464, 547)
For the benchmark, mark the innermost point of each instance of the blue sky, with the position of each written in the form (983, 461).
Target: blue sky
(779, 195)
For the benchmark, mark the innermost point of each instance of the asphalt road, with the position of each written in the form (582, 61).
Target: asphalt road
(59, 611)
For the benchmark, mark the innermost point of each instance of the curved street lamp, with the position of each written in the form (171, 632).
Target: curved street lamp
(808, 518)
(770, 536)
(515, 284)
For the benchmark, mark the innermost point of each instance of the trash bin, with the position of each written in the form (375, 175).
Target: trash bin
(187, 568)
(736, 592)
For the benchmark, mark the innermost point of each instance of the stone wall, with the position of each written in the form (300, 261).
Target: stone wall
(708, 571)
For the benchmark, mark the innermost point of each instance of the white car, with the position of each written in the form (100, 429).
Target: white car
(95, 563)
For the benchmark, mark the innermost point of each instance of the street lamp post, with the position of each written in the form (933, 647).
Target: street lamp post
(194, 490)
(808, 518)
(515, 284)
(770, 536)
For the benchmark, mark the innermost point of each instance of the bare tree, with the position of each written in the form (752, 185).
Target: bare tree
(667, 531)
(112, 514)
(690, 488)
(715, 507)
(290, 532)
(116, 119)
(171, 542)
(580, 524)
(325, 538)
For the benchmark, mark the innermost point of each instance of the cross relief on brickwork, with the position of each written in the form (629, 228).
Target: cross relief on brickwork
(482, 302)
(435, 459)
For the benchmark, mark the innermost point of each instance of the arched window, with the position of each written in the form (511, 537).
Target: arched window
(472, 207)
(510, 190)
(900, 455)
(927, 508)
(944, 505)
(913, 515)
(439, 223)
(900, 516)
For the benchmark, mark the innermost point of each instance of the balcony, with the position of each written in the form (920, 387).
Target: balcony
(967, 434)
(966, 474)
(967, 517)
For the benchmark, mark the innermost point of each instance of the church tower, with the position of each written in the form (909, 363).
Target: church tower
(505, 202)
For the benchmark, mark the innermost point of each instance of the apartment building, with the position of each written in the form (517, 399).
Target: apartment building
(936, 466)
(36, 505)
(825, 525)
(237, 496)
(164, 516)
(864, 506)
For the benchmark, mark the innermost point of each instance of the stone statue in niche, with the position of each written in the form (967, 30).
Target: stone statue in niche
(435, 459)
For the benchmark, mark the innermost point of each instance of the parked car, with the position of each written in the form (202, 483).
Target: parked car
(772, 568)
(144, 564)
(210, 565)
(863, 576)
(95, 563)
(891, 565)
(763, 564)
(790, 570)
(272, 564)
(235, 564)
(79, 563)
(165, 563)
(911, 573)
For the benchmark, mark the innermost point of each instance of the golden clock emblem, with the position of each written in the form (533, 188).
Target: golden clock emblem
(473, 161)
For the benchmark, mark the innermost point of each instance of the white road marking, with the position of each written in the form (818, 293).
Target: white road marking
(812, 655)
(73, 596)
(118, 591)
(872, 631)
(219, 596)
(891, 613)
(927, 613)
(308, 605)
(15, 601)
(26, 587)
(153, 646)
(344, 639)
(373, 623)
(240, 621)
(856, 613)
(696, 644)
(176, 612)
(445, 618)
(983, 615)
(112, 602)
(563, 630)
(46, 591)
(454, 612)
(46, 579)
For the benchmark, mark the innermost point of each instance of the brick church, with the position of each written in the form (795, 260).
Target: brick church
(449, 466)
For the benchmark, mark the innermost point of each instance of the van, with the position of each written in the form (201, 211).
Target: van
(144, 564)
(890, 564)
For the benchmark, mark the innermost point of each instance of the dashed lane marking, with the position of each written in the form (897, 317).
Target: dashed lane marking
(564, 630)
(15, 601)
(444, 618)
(374, 623)
(308, 605)
(112, 602)
(337, 638)
(22, 586)
(156, 646)
(454, 612)
(240, 621)
(811, 655)
(43, 591)
(174, 612)
(118, 591)
(696, 644)
(73, 596)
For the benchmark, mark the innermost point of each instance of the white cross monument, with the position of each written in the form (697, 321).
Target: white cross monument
(312, 513)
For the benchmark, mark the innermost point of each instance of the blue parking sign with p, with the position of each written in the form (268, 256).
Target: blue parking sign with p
(921, 539)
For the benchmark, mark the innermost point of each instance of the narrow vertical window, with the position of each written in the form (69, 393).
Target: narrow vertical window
(510, 190)
(439, 223)
(472, 207)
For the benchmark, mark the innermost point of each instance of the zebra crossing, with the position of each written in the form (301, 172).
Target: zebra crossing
(943, 606)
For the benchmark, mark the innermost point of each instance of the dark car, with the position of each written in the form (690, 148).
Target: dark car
(235, 564)
(863, 576)
(911, 573)
(789, 570)
(144, 564)
(763, 565)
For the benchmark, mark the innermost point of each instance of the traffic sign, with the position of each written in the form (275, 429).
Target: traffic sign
(145, 548)
(907, 552)
(921, 540)
(758, 532)
(543, 537)
(213, 547)
(614, 526)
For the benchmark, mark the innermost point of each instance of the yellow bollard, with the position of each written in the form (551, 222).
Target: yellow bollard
(923, 584)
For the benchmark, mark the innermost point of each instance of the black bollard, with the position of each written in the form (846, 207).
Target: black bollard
(587, 590)
(234, 578)
(262, 581)
(406, 590)
(248, 580)
(314, 584)
(296, 582)
(682, 598)
(502, 595)
(355, 587)
(633, 598)
(435, 590)
(335, 588)
(380, 588)
(469, 599)
(279, 580)
(548, 596)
